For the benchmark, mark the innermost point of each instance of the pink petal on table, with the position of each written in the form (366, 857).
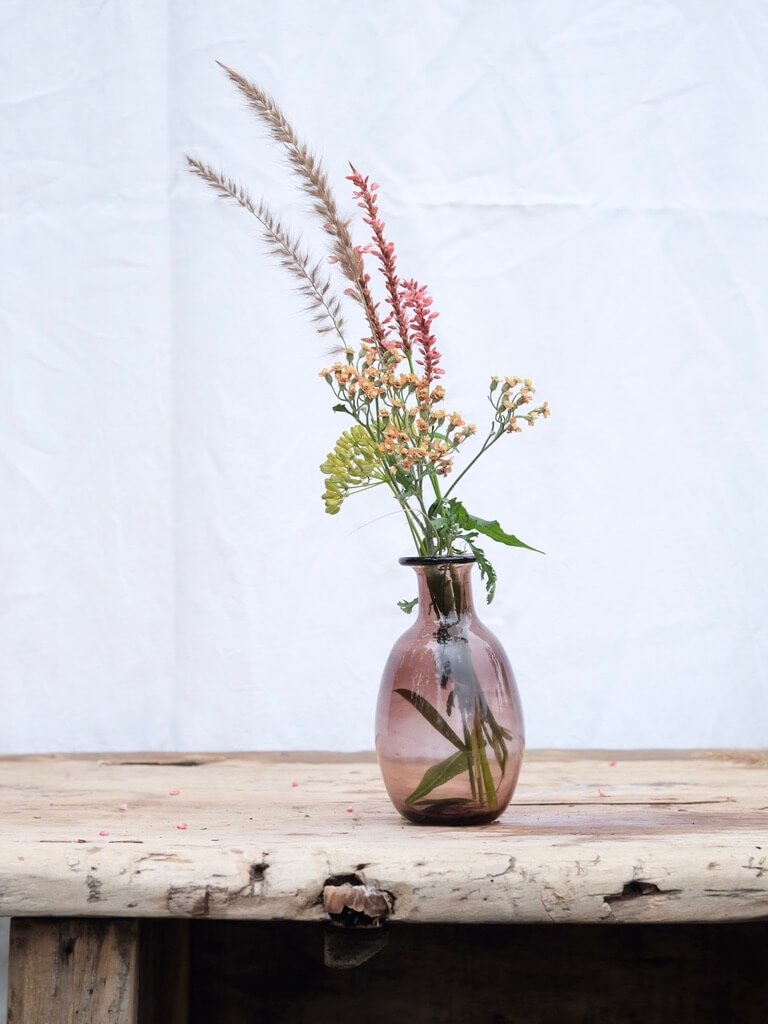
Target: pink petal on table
(103, 832)
(174, 792)
(602, 792)
(181, 826)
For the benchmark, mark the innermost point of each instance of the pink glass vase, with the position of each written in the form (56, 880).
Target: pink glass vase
(449, 725)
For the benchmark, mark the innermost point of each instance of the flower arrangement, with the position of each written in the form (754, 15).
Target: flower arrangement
(389, 384)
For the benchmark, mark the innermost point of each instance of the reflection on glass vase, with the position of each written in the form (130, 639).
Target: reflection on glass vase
(449, 725)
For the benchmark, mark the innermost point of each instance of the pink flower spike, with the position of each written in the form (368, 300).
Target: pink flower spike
(602, 792)
(384, 251)
(174, 792)
(416, 299)
(182, 826)
(104, 832)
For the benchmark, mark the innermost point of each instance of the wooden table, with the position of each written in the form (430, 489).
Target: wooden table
(227, 888)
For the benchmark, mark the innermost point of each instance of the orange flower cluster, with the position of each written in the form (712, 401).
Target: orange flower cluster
(514, 393)
(400, 408)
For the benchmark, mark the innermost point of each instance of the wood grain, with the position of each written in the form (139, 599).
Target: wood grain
(590, 837)
(73, 972)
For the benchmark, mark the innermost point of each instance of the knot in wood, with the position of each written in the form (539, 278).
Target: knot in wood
(357, 904)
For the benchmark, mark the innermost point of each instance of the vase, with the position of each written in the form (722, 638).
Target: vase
(449, 725)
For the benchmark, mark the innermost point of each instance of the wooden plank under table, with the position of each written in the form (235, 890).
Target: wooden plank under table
(296, 863)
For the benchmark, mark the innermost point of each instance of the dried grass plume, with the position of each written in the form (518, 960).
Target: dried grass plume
(307, 166)
(313, 282)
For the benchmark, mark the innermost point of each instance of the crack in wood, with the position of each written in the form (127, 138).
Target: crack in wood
(761, 867)
(636, 889)
(93, 885)
(257, 872)
(204, 901)
(509, 869)
(186, 763)
(609, 802)
(749, 758)
(734, 892)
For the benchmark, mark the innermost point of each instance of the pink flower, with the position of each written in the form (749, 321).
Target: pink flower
(416, 299)
(385, 252)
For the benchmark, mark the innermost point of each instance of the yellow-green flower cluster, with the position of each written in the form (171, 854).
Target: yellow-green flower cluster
(351, 465)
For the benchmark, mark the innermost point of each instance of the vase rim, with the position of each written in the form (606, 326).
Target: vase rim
(416, 560)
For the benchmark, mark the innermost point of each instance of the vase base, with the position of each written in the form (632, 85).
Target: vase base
(451, 817)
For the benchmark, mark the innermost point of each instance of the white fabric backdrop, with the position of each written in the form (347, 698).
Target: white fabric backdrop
(582, 185)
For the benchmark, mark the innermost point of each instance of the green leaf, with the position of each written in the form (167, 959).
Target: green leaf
(453, 803)
(433, 716)
(491, 528)
(405, 480)
(498, 744)
(407, 606)
(487, 573)
(341, 408)
(439, 774)
(485, 771)
(488, 527)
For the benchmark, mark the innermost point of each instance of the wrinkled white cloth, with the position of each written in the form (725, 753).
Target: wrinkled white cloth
(583, 188)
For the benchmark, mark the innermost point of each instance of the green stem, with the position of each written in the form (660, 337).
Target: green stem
(458, 593)
(435, 485)
(428, 529)
(476, 763)
(485, 770)
(364, 487)
(470, 759)
(491, 440)
(408, 516)
(375, 433)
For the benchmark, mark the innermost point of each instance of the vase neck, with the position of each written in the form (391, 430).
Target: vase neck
(445, 592)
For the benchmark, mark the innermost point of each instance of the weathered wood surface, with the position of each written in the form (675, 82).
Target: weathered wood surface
(590, 836)
(62, 972)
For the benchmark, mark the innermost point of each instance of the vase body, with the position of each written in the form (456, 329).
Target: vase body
(449, 725)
